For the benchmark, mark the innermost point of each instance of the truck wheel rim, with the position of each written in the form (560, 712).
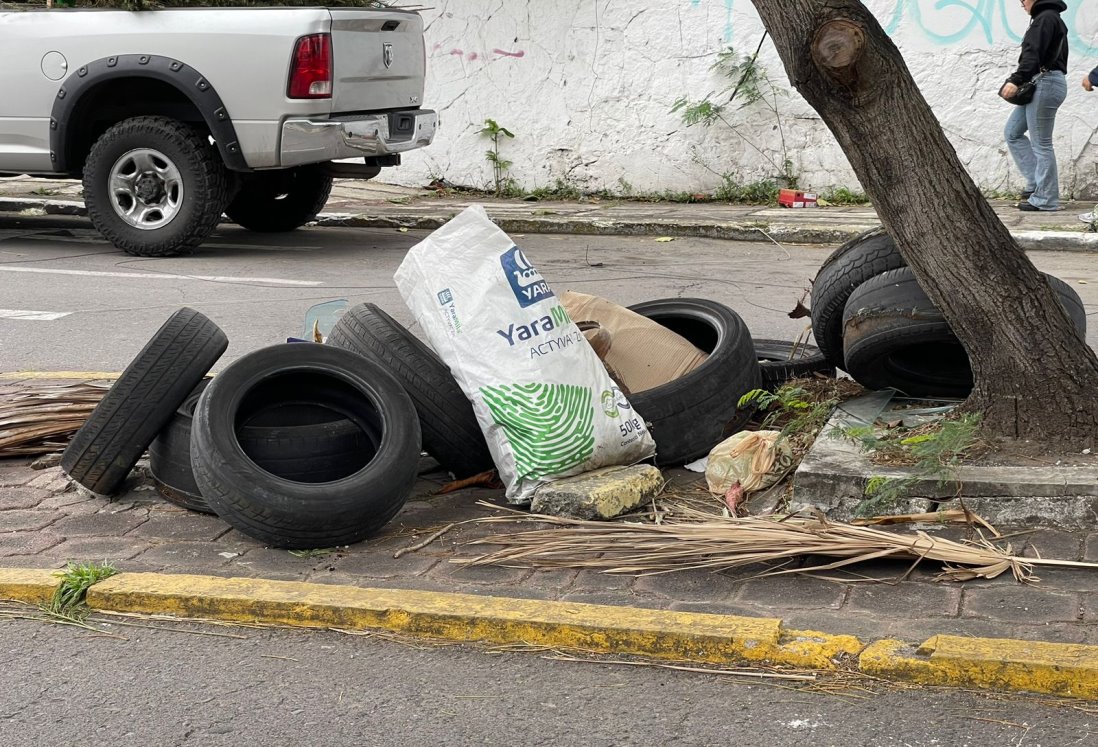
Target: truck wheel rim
(146, 189)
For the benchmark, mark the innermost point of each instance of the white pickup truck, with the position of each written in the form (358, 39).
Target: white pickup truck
(173, 118)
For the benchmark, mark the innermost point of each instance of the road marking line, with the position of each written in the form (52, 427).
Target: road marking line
(32, 316)
(162, 276)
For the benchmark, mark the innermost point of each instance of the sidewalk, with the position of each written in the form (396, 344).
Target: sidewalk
(376, 205)
(898, 627)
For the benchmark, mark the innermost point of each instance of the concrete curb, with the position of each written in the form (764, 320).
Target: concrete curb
(1064, 669)
(28, 585)
(684, 636)
(1000, 664)
(786, 233)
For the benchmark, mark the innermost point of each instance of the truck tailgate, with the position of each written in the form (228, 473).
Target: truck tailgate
(378, 60)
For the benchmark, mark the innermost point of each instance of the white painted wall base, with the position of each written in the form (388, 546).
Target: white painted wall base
(587, 87)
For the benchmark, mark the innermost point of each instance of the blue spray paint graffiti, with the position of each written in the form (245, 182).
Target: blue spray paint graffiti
(981, 18)
(728, 4)
(953, 22)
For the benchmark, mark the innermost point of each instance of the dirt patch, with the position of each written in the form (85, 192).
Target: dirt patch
(1017, 453)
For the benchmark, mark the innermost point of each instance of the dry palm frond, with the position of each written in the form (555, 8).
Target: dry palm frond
(696, 540)
(40, 419)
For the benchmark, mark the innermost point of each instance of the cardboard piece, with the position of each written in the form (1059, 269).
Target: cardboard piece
(644, 354)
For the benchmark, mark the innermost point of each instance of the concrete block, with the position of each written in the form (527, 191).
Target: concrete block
(599, 494)
(833, 474)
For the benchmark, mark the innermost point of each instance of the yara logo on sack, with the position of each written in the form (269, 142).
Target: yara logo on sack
(527, 283)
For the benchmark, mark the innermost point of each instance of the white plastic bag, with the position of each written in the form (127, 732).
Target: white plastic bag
(546, 405)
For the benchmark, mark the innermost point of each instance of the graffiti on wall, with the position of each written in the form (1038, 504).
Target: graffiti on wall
(953, 22)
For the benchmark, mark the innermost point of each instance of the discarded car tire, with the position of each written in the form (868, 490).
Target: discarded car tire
(304, 443)
(781, 361)
(295, 445)
(170, 458)
(863, 257)
(290, 513)
(450, 430)
(280, 201)
(143, 400)
(692, 414)
(895, 337)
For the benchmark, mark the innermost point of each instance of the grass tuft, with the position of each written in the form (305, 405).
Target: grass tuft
(76, 579)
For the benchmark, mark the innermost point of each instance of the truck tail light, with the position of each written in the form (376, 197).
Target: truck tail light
(311, 69)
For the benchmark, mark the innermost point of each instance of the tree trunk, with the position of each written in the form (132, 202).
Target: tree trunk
(1035, 378)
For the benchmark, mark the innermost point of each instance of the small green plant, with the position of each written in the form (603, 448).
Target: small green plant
(750, 86)
(793, 408)
(845, 196)
(755, 193)
(318, 552)
(44, 192)
(494, 131)
(883, 493)
(561, 189)
(76, 579)
(934, 451)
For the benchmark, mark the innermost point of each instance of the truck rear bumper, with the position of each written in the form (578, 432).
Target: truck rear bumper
(316, 140)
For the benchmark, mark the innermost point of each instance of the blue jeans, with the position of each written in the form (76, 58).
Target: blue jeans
(1034, 155)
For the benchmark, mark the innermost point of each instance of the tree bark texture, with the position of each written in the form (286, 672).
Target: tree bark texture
(1034, 377)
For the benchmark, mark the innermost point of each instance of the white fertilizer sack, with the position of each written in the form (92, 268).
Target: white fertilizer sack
(546, 405)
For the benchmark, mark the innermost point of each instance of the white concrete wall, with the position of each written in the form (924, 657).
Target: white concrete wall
(587, 87)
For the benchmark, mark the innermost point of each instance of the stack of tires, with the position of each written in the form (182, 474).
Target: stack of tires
(297, 445)
(686, 417)
(871, 318)
(302, 445)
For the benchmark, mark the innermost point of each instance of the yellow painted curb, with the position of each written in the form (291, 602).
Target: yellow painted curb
(992, 663)
(82, 375)
(684, 636)
(28, 585)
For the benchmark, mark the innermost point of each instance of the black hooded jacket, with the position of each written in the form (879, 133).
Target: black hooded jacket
(1041, 46)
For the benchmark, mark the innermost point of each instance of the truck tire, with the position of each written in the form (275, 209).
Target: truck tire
(142, 401)
(451, 433)
(302, 515)
(279, 201)
(692, 414)
(863, 257)
(155, 187)
(896, 338)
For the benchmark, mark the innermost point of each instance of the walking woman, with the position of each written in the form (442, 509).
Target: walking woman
(1044, 52)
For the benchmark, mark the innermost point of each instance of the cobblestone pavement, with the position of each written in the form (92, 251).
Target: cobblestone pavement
(45, 521)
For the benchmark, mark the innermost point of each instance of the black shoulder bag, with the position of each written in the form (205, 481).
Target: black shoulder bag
(1028, 90)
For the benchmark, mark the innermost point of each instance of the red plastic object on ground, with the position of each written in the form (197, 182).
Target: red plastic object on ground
(794, 198)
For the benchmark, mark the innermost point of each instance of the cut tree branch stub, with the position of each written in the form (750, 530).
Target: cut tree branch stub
(837, 47)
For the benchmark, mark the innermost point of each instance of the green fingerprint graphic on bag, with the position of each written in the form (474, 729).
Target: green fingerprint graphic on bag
(550, 426)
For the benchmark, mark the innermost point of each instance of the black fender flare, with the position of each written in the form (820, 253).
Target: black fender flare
(180, 76)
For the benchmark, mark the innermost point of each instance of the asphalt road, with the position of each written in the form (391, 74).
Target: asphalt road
(258, 288)
(68, 686)
(96, 307)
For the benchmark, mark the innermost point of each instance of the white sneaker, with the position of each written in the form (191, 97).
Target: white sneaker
(1088, 217)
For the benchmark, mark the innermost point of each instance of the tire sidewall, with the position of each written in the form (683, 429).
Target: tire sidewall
(691, 414)
(255, 501)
